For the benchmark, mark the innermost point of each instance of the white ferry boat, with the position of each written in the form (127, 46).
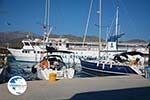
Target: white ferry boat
(34, 50)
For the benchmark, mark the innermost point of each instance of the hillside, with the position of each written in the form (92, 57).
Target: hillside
(136, 41)
(14, 38)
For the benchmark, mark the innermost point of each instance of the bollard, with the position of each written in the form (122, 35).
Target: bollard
(52, 76)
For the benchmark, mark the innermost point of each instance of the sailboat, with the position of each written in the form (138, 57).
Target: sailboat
(117, 62)
(52, 63)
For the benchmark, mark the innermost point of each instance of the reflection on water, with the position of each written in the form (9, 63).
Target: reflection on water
(20, 68)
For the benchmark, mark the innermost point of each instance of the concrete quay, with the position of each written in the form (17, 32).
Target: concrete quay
(130, 87)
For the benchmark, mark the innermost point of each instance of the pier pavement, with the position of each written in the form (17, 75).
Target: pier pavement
(130, 87)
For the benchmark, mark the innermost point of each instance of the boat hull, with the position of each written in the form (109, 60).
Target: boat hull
(105, 69)
(36, 57)
(29, 57)
(62, 74)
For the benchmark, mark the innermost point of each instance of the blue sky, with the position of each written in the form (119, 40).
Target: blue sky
(69, 16)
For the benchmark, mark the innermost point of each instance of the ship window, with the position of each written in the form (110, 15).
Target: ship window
(38, 44)
(24, 51)
(67, 45)
(111, 45)
(60, 44)
(50, 44)
(26, 43)
(38, 52)
(34, 52)
(33, 43)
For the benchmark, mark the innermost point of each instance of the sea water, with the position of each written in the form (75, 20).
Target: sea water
(24, 69)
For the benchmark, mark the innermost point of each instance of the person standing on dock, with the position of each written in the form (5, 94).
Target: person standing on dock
(147, 68)
(44, 63)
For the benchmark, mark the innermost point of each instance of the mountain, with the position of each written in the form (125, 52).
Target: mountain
(73, 38)
(11, 36)
(136, 41)
(13, 39)
(6, 37)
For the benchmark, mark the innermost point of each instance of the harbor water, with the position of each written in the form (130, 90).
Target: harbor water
(16, 68)
(24, 69)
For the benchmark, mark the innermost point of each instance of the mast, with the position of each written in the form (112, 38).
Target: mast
(48, 7)
(117, 24)
(87, 24)
(47, 28)
(100, 27)
(45, 15)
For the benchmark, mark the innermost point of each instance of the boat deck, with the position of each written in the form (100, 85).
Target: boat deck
(130, 87)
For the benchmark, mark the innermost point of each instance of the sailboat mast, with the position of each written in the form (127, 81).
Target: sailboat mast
(48, 7)
(45, 16)
(87, 23)
(46, 26)
(117, 24)
(100, 27)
